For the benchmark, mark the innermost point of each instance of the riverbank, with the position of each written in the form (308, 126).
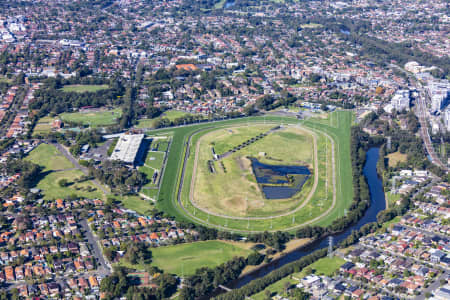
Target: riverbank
(292, 245)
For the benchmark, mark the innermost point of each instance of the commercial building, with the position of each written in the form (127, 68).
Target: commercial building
(400, 101)
(439, 93)
(128, 148)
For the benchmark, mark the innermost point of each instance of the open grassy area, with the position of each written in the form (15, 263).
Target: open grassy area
(395, 158)
(184, 259)
(136, 203)
(57, 167)
(51, 189)
(49, 158)
(155, 160)
(152, 193)
(94, 119)
(324, 266)
(220, 4)
(337, 126)
(82, 88)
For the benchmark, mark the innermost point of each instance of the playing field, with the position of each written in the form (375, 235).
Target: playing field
(43, 126)
(184, 259)
(333, 193)
(93, 119)
(231, 188)
(82, 88)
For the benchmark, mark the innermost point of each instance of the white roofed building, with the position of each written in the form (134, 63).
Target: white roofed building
(127, 148)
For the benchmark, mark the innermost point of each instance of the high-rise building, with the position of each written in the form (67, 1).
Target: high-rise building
(400, 101)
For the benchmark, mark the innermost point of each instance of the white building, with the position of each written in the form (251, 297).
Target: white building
(127, 148)
(400, 100)
(439, 92)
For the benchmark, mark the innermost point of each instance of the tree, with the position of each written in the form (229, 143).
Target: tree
(255, 258)
(63, 182)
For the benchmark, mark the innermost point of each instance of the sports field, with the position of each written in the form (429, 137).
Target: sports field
(93, 119)
(82, 88)
(43, 126)
(329, 202)
(184, 259)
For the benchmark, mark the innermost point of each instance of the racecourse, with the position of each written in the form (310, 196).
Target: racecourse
(334, 182)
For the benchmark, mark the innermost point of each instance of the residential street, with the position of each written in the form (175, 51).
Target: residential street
(104, 269)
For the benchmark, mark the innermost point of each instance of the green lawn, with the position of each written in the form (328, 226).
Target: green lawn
(52, 160)
(51, 189)
(49, 158)
(94, 119)
(327, 266)
(184, 259)
(220, 4)
(81, 88)
(152, 193)
(136, 203)
(233, 190)
(155, 159)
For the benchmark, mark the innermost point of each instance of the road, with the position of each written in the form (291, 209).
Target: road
(74, 161)
(104, 269)
(432, 287)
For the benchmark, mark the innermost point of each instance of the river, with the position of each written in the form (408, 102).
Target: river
(377, 204)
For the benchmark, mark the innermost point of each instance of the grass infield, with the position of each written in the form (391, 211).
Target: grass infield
(335, 125)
